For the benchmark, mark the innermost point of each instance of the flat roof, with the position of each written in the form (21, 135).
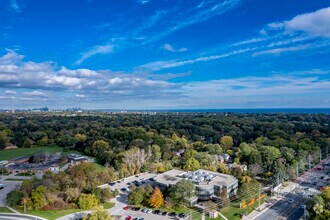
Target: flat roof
(208, 177)
(170, 177)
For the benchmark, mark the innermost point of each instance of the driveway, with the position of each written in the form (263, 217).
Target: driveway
(10, 185)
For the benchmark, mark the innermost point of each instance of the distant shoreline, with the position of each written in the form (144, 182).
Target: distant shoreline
(233, 110)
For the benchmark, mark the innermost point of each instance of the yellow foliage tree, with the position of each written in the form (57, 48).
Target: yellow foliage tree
(156, 199)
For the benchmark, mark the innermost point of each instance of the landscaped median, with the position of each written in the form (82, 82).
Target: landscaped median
(55, 214)
(5, 210)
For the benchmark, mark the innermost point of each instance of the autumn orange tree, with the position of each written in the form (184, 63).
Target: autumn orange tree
(156, 199)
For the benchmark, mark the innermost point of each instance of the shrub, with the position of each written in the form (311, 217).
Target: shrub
(14, 198)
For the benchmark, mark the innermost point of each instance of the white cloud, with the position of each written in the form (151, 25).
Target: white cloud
(283, 49)
(100, 49)
(142, 2)
(170, 48)
(15, 6)
(10, 92)
(315, 24)
(34, 93)
(80, 96)
(159, 65)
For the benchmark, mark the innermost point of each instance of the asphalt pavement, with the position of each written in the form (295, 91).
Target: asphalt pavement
(291, 204)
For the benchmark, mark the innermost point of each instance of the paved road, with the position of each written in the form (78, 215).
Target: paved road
(9, 216)
(309, 185)
(121, 201)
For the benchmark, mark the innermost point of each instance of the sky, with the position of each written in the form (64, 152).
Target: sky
(164, 54)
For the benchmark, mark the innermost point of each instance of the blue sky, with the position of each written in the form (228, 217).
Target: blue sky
(164, 54)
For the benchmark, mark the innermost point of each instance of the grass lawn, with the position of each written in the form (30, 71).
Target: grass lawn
(13, 179)
(5, 210)
(52, 215)
(233, 211)
(24, 174)
(20, 152)
(98, 166)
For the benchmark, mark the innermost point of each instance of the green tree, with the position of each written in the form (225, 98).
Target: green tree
(227, 141)
(98, 214)
(269, 155)
(87, 201)
(155, 153)
(14, 198)
(182, 191)
(99, 147)
(38, 197)
(72, 194)
(27, 143)
(137, 196)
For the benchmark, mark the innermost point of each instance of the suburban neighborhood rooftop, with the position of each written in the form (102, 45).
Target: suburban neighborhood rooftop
(199, 177)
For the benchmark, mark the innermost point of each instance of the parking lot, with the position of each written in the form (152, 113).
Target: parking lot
(10, 185)
(121, 207)
(125, 183)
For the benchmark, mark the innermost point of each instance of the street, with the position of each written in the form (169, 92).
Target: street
(291, 204)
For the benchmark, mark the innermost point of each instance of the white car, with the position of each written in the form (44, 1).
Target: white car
(290, 201)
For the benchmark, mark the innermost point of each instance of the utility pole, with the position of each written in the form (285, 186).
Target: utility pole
(320, 155)
(309, 161)
(24, 205)
(259, 196)
(297, 170)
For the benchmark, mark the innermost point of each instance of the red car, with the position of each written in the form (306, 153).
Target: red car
(126, 208)
(129, 218)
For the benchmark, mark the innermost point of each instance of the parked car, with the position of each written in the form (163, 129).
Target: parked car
(182, 215)
(156, 212)
(290, 201)
(126, 208)
(172, 214)
(112, 183)
(135, 209)
(164, 213)
(129, 217)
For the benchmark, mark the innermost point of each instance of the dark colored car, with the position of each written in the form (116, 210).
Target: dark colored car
(112, 183)
(172, 214)
(156, 212)
(164, 213)
(135, 209)
(182, 215)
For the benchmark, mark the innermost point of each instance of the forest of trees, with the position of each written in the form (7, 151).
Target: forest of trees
(269, 144)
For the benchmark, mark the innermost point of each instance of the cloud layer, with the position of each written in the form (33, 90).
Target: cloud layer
(32, 83)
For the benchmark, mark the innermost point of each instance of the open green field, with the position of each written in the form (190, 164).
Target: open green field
(233, 211)
(98, 166)
(5, 210)
(21, 152)
(55, 214)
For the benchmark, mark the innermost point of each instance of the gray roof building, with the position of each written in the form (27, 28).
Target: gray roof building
(208, 184)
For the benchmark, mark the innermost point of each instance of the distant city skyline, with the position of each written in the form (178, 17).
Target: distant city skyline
(164, 54)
